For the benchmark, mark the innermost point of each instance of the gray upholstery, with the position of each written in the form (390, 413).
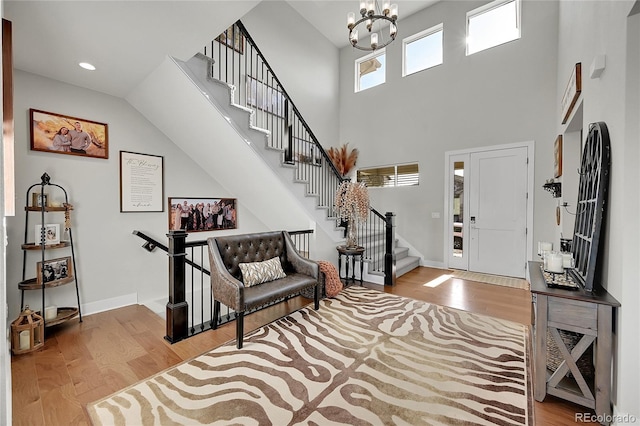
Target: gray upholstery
(226, 253)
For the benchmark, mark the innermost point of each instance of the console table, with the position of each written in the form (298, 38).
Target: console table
(350, 254)
(578, 311)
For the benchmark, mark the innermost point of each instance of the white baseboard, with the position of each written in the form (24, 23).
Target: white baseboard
(432, 264)
(108, 304)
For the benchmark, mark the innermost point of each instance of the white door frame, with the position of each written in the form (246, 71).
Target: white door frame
(448, 192)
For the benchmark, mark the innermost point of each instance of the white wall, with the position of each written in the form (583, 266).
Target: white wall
(588, 29)
(305, 62)
(111, 265)
(499, 96)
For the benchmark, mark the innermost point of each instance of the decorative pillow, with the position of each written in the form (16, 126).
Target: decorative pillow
(261, 272)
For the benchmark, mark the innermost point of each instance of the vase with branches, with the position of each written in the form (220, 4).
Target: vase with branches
(343, 158)
(352, 206)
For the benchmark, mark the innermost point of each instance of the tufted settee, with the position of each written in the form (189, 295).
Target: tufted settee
(227, 286)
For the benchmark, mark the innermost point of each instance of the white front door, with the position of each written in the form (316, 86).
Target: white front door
(498, 182)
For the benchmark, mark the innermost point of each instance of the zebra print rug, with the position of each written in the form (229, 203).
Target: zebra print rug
(365, 357)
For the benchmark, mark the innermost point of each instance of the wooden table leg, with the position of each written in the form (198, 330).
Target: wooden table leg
(540, 349)
(603, 362)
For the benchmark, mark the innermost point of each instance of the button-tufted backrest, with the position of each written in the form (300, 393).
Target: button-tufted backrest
(247, 248)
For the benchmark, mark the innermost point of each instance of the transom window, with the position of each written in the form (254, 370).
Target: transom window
(390, 176)
(493, 24)
(422, 51)
(370, 70)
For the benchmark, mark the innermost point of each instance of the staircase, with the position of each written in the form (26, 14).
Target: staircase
(249, 97)
(307, 175)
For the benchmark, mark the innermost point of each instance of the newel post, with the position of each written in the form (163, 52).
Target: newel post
(389, 252)
(177, 308)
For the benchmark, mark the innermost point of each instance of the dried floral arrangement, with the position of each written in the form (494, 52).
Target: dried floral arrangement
(343, 159)
(352, 201)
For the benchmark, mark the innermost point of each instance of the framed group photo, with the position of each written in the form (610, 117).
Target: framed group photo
(202, 214)
(64, 134)
(55, 271)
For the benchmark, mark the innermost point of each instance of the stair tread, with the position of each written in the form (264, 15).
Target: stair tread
(407, 261)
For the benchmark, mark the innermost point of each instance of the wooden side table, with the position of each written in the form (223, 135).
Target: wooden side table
(581, 312)
(350, 254)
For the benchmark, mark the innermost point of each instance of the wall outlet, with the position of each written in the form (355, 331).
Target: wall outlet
(435, 215)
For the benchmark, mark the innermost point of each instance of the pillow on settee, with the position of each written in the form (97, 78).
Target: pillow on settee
(261, 272)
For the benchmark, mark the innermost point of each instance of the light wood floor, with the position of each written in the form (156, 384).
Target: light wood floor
(83, 362)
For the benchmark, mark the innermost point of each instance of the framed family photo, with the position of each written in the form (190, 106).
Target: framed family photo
(39, 200)
(55, 271)
(202, 214)
(64, 134)
(50, 232)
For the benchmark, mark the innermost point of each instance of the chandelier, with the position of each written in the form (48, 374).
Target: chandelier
(372, 19)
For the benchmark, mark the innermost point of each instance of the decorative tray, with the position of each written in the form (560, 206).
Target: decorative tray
(557, 280)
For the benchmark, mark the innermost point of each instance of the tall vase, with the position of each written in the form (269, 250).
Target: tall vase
(352, 234)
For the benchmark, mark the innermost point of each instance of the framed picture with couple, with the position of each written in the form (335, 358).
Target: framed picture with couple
(64, 134)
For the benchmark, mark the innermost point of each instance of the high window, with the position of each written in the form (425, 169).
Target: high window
(493, 24)
(390, 176)
(422, 51)
(370, 70)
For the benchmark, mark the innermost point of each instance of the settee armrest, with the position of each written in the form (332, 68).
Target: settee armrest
(224, 286)
(299, 263)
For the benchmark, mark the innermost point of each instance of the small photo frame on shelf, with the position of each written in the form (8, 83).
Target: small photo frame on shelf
(55, 271)
(51, 234)
(202, 214)
(39, 200)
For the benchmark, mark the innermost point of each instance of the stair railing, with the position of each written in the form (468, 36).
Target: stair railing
(189, 310)
(238, 62)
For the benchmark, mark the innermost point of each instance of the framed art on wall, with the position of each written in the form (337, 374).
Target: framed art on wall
(572, 92)
(64, 134)
(141, 182)
(202, 214)
(265, 98)
(557, 157)
(233, 38)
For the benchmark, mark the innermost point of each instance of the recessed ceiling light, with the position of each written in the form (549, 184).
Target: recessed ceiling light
(87, 66)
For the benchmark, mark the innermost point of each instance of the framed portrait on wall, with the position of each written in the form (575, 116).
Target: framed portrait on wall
(64, 134)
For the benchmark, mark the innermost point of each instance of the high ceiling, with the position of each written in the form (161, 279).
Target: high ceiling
(127, 40)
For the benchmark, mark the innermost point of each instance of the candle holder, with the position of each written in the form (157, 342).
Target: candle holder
(27, 332)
